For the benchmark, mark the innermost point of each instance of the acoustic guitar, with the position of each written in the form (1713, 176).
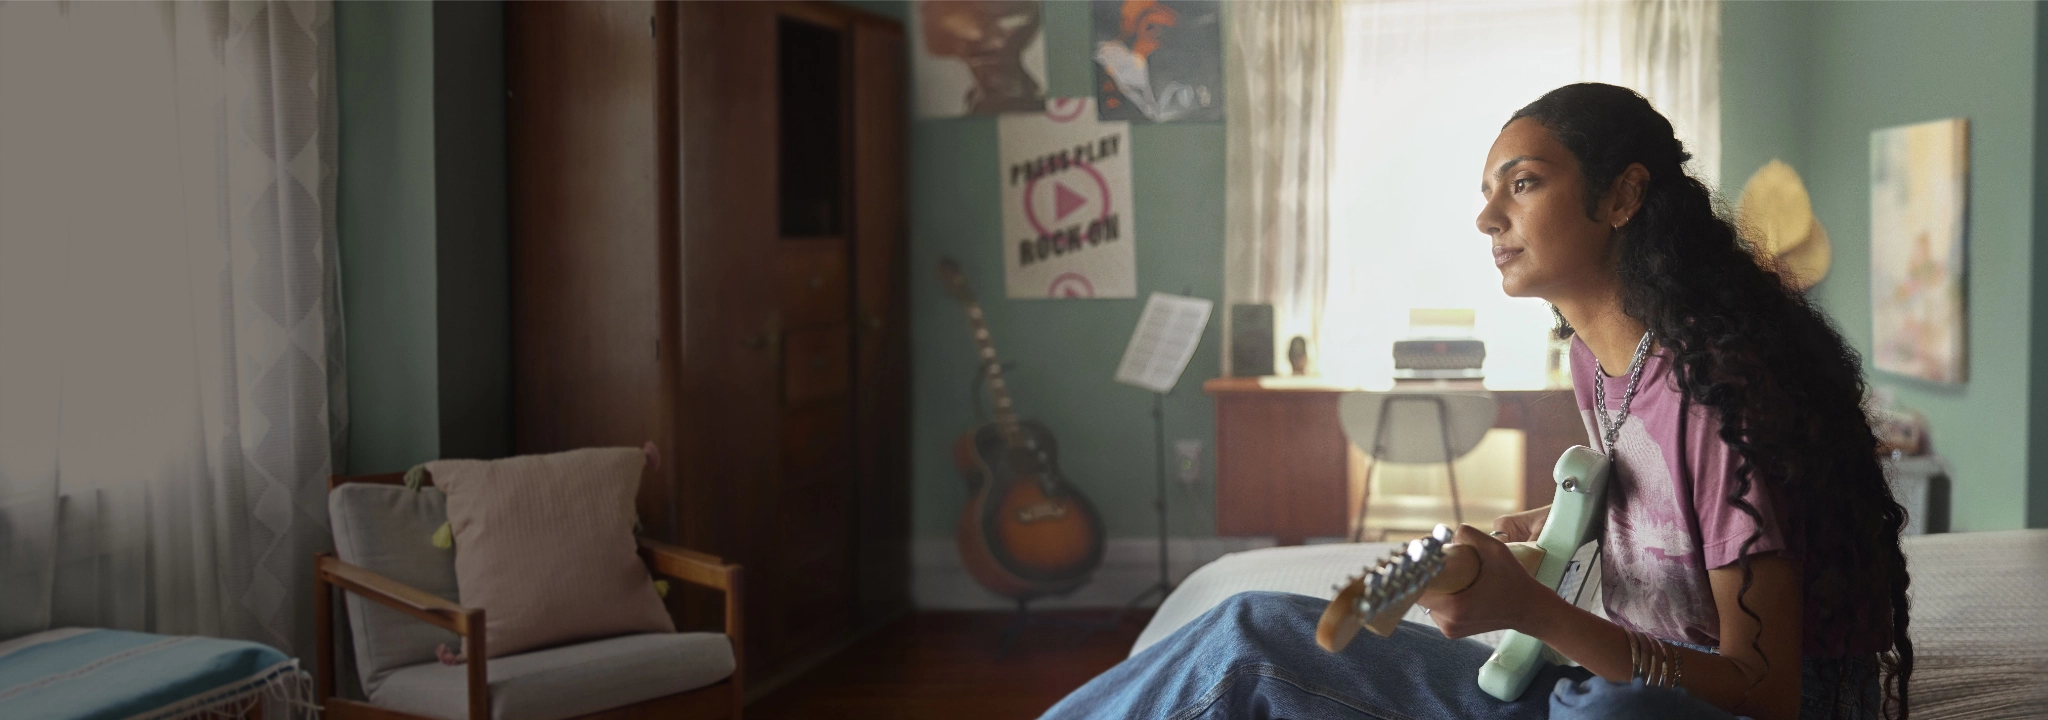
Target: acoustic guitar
(1377, 599)
(1025, 532)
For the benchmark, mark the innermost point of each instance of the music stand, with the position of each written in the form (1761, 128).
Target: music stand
(1168, 332)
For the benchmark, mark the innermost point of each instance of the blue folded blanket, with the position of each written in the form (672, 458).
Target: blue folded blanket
(111, 674)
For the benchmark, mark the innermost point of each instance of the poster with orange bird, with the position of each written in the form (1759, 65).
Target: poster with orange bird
(1159, 61)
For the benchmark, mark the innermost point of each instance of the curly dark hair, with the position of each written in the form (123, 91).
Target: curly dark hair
(1788, 391)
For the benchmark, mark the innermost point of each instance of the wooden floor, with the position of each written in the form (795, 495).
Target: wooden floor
(946, 665)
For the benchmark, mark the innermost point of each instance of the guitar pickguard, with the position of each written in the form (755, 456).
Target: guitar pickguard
(1576, 509)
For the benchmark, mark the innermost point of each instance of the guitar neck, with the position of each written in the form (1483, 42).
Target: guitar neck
(1006, 415)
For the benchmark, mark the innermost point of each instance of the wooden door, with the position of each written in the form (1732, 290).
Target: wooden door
(881, 239)
(729, 372)
(588, 294)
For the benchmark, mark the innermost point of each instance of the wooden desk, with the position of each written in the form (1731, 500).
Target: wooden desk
(1283, 464)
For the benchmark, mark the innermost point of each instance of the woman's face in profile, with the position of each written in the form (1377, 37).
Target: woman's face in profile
(1543, 243)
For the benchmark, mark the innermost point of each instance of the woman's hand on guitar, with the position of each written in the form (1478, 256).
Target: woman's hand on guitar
(1523, 526)
(1504, 597)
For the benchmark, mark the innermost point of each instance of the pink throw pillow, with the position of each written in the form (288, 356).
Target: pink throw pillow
(544, 544)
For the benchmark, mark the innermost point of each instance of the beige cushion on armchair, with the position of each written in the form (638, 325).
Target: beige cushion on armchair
(544, 544)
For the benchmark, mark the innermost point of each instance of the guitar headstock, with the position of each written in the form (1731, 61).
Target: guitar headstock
(1377, 598)
(955, 280)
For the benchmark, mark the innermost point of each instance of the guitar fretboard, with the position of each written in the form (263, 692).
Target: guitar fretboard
(1006, 416)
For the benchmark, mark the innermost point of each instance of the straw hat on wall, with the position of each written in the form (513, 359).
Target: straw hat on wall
(1776, 215)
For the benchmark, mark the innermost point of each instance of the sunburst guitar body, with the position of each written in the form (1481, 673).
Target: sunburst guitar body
(1025, 532)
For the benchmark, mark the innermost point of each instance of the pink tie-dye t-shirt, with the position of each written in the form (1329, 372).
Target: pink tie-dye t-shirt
(1666, 528)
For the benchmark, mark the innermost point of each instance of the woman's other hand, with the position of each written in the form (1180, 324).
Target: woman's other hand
(1523, 526)
(1503, 597)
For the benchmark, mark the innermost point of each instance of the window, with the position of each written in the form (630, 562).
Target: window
(1424, 88)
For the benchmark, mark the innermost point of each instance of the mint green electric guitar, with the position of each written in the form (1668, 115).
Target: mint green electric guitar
(1377, 599)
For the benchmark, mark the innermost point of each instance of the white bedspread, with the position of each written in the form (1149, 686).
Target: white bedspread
(1980, 612)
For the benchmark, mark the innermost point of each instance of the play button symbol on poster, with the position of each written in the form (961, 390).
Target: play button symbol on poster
(1067, 226)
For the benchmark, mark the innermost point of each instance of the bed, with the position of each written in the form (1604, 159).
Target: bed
(1980, 612)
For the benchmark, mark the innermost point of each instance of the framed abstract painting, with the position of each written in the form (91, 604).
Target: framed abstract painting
(1919, 200)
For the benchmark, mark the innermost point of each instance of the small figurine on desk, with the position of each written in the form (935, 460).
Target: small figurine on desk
(1297, 354)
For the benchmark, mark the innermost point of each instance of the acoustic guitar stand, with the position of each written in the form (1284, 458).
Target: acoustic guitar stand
(1023, 618)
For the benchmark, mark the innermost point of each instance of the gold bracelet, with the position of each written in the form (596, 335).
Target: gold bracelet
(1670, 653)
(1653, 655)
(1670, 674)
(1635, 655)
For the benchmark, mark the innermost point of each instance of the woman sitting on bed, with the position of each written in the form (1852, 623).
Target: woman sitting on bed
(1750, 530)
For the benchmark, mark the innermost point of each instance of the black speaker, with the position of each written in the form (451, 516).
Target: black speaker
(1251, 339)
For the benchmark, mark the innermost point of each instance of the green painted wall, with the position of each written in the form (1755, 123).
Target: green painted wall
(1066, 351)
(1808, 83)
(422, 231)
(384, 61)
(1764, 54)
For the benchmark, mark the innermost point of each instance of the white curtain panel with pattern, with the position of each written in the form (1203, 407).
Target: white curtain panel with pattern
(1281, 65)
(1421, 87)
(170, 398)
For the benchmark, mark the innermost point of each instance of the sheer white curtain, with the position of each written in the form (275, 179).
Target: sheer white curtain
(169, 335)
(1281, 68)
(1426, 87)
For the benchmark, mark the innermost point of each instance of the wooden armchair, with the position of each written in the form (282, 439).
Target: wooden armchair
(722, 699)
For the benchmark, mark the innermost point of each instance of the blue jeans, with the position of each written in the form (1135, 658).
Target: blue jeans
(1254, 656)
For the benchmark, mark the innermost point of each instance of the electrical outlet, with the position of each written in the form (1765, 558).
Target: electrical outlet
(1187, 461)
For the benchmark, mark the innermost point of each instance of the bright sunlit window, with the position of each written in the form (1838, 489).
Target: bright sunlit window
(1425, 88)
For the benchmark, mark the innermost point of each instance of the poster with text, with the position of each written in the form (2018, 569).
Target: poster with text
(1159, 60)
(1067, 226)
(977, 58)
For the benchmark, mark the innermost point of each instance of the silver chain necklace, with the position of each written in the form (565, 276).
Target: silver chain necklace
(1611, 430)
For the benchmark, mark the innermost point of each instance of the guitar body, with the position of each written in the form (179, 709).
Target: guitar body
(1025, 532)
(1577, 510)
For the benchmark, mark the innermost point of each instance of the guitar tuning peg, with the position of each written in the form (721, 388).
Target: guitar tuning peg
(1416, 550)
(1443, 533)
(1431, 545)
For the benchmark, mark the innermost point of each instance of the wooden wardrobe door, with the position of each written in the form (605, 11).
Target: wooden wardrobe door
(730, 367)
(587, 293)
(881, 238)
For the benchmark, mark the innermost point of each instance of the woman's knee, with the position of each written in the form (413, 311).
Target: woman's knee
(1598, 699)
(1264, 610)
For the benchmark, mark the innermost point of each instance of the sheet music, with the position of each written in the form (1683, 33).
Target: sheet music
(1165, 340)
